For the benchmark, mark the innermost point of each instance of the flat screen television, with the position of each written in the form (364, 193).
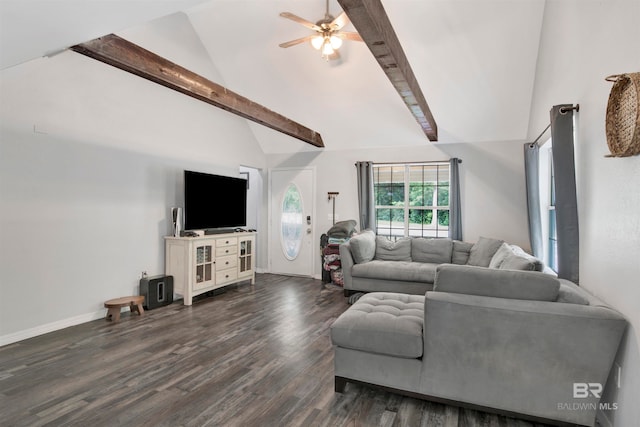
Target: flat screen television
(214, 201)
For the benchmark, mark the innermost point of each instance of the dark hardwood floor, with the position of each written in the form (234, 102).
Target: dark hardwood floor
(251, 356)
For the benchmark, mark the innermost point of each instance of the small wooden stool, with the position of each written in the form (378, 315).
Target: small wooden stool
(114, 306)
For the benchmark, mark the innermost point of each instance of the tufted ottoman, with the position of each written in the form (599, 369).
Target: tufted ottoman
(382, 323)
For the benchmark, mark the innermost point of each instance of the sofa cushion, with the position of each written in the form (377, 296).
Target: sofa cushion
(482, 251)
(383, 323)
(363, 246)
(386, 250)
(396, 270)
(501, 254)
(460, 253)
(437, 251)
(512, 284)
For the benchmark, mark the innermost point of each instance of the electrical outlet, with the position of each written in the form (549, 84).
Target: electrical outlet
(617, 373)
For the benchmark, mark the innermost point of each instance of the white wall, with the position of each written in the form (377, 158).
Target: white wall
(491, 175)
(91, 160)
(582, 43)
(257, 214)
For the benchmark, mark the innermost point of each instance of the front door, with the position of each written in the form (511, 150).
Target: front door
(291, 230)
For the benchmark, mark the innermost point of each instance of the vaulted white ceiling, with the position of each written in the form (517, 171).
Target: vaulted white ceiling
(474, 60)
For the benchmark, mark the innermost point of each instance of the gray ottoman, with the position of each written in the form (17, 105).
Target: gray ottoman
(382, 323)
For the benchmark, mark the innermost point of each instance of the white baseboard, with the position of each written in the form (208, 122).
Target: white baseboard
(317, 276)
(50, 327)
(261, 270)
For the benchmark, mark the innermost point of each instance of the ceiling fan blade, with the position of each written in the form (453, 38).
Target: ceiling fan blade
(300, 21)
(297, 41)
(340, 21)
(348, 35)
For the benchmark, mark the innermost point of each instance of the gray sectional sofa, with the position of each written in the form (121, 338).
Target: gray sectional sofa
(509, 341)
(372, 263)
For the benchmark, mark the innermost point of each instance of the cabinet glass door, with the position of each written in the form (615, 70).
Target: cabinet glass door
(246, 252)
(204, 264)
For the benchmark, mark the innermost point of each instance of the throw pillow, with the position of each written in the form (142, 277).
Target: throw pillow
(386, 250)
(501, 254)
(461, 250)
(515, 262)
(363, 246)
(482, 251)
(538, 265)
(436, 251)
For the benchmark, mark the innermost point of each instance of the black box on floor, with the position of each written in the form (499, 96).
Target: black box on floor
(157, 291)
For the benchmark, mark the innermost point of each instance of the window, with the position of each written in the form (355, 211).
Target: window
(291, 222)
(552, 253)
(546, 188)
(412, 199)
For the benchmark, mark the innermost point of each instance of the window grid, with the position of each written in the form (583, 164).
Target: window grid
(423, 210)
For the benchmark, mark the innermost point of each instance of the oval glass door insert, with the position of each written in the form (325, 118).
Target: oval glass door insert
(291, 223)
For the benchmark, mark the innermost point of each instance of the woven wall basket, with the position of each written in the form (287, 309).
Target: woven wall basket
(623, 115)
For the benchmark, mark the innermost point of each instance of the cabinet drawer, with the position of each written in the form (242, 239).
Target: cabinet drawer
(224, 276)
(226, 250)
(227, 241)
(228, 261)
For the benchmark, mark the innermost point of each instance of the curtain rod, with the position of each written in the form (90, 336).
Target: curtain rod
(413, 163)
(563, 110)
(540, 136)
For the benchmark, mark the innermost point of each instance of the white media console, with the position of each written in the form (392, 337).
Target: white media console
(201, 264)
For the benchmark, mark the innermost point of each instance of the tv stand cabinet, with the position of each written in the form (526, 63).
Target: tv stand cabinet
(202, 264)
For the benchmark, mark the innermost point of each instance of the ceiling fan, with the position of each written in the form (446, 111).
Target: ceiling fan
(328, 37)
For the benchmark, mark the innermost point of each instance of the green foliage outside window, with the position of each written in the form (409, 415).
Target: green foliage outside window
(428, 196)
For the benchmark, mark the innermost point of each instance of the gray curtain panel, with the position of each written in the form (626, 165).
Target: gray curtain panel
(532, 180)
(366, 202)
(565, 186)
(455, 210)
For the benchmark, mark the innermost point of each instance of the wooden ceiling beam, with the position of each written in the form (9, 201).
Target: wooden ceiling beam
(127, 56)
(373, 25)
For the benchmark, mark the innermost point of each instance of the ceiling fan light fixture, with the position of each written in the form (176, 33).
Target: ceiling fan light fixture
(317, 42)
(336, 42)
(327, 49)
